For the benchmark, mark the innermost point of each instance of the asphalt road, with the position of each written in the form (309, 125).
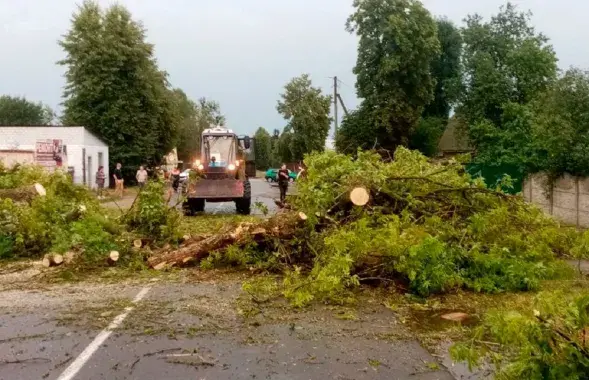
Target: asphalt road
(196, 331)
(196, 327)
(262, 192)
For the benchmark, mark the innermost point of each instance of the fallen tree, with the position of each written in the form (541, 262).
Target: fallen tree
(426, 227)
(24, 194)
(281, 226)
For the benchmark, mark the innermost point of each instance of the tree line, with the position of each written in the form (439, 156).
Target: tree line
(115, 88)
(497, 78)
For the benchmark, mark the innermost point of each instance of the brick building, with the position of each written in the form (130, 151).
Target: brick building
(74, 149)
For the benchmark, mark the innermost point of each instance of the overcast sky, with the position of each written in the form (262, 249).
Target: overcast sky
(242, 52)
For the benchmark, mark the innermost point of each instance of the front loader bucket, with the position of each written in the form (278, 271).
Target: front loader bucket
(216, 188)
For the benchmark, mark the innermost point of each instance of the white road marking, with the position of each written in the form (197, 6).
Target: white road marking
(77, 364)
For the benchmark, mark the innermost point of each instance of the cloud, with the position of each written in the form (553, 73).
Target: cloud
(241, 53)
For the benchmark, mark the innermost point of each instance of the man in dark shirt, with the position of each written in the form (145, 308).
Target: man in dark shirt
(283, 182)
(118, 177)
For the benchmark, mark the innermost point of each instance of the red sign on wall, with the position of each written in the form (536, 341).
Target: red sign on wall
(50, 153)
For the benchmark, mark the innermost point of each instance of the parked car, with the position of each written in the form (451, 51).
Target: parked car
(272, 175)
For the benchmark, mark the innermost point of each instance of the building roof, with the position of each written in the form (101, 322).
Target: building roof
(59, 127)
(454, 139)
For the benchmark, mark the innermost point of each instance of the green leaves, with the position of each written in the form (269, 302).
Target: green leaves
(561, 126)
(263, 149)
(397, 44)
(548, 343)
(114, 87)
(20, 111)
(307, 111)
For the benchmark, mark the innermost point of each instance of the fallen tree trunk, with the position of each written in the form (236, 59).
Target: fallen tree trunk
(23, 194)
(280, 226)
(52, 260)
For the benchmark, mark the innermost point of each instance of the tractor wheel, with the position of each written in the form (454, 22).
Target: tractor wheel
(244, 205)
(193, 206)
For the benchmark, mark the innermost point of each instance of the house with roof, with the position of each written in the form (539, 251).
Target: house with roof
(74, 149)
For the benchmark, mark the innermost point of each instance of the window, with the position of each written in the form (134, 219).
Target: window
(100, 159)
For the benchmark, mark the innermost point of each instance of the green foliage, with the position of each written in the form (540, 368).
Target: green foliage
(283, 149)
(397, 44)
(20, 111)
(67, 218)
(429, 226)
(114, 87)
(426, 137)
(357, 132)
(548, 343)
(196, 117)
(561, 126)
(263, 149)
(151, 216)
(506, 65)
(307, 111)
(446, 71)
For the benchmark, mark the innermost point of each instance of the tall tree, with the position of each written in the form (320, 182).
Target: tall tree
(505, 60)
(283, 151)
(196, 117)
(114, 87)
(307, 111)
(397, 43)
(20, 111)
(263, 151)
(561, 126)
(506, 65)
(446, 71)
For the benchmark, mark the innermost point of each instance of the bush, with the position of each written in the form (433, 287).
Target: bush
(151, 216)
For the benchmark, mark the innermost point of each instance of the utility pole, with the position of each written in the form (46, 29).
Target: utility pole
(335, 99)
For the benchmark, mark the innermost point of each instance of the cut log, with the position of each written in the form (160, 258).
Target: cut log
(137, 243)
(282, 226)
(52, 260)
(113, 257)
(359, 196)
(24, 194)
(455, 317)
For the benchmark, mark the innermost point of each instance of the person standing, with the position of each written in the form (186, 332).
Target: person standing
(119, 181)
(283, 178)
(175, 178)
(100, 179)
(141, 177)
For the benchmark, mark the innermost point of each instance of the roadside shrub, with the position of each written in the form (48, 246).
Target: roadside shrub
(151, 216)
(549, 342)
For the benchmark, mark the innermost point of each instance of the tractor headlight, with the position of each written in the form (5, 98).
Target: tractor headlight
(231, 167)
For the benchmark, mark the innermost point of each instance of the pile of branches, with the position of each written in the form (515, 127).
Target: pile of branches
(44, 215)
(426, 227)
(550, 342)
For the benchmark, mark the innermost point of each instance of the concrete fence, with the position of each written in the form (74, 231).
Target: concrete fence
(567, 199)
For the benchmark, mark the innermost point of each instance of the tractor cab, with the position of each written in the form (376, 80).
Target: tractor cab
(220, 172)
